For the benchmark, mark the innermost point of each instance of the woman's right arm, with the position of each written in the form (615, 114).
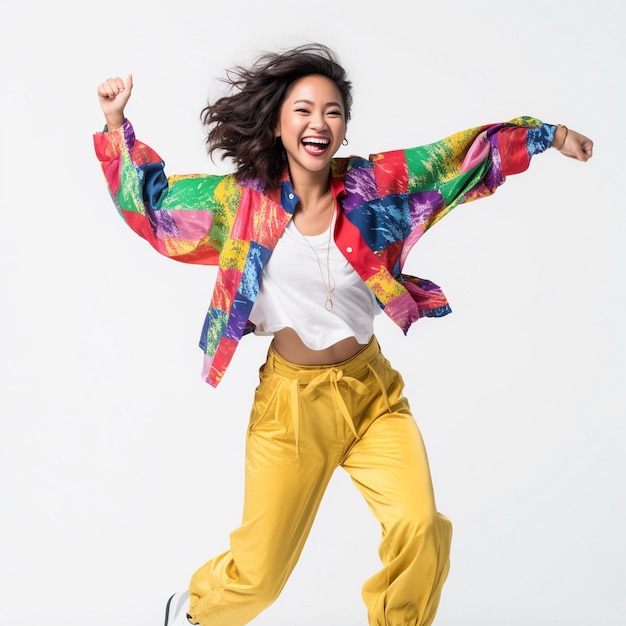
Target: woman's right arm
(186, 218)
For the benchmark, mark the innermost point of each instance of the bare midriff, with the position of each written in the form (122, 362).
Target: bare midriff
(289, 345)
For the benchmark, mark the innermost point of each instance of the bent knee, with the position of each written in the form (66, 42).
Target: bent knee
(422, 526)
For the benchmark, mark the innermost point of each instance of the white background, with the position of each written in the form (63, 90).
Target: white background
(121, 470)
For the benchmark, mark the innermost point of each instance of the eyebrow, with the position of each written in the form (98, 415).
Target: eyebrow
(305, 101)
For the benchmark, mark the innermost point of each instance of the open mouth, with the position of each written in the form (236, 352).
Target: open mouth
(316, 145)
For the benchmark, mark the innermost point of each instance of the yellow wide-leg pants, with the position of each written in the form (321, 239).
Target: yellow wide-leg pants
(306, 421)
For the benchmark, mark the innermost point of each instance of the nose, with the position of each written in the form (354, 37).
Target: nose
(317, 121)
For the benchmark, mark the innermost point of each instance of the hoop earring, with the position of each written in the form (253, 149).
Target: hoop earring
(345, 141)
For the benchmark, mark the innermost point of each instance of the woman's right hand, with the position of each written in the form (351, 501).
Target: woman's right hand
(113, 94)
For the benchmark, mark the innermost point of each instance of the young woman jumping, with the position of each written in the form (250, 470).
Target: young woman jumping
(309, 249)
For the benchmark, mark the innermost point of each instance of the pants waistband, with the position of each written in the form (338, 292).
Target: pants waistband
(302, 380)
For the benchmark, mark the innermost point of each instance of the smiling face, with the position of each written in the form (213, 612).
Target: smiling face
(311, 125)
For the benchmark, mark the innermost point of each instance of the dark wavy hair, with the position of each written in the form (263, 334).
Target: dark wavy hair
(241, 124)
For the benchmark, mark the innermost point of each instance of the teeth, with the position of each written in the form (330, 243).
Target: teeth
(321, 142)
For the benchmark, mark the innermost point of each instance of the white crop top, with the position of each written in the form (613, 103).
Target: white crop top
(294, 290)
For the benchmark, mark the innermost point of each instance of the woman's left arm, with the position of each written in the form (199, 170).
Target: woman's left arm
(473, 163)
(421, 185)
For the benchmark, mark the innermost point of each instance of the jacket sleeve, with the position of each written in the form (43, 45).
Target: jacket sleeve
(186, 218)
(472, 164)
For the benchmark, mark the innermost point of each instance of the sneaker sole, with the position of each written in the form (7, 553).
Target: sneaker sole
(167, 609)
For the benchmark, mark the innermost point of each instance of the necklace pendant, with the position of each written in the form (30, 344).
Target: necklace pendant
(328, 305)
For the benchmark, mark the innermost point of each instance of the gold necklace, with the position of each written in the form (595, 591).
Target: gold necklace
(329, 281)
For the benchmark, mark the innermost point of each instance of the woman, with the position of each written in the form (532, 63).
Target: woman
(309, 249)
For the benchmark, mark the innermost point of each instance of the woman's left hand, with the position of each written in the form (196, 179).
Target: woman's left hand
(572, 144)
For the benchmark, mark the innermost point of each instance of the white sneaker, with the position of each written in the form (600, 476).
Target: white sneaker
(176, 610)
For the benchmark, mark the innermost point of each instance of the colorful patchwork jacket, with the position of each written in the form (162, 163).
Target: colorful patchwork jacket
(385, 204)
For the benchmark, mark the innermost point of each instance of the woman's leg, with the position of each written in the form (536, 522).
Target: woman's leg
(389, 466)
(291, 454)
